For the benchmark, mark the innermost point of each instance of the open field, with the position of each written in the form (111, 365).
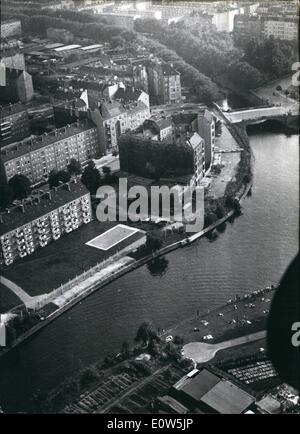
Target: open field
(62, 260)
(228, 322)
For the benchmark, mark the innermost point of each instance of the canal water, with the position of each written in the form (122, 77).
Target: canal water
(253, 252)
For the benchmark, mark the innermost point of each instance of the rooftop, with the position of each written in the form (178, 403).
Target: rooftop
(195, 140)
(199, 385)
(11, 109)
(71, 103)
(209, 116)
(168, 69)
(40, 204)
(158, 123)
(112, 109)
(10, 21)
(127, 94)
(227, 398)
(23, 147)
(67, 48)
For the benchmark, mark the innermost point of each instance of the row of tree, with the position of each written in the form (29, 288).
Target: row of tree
(19, 186)
(212, 53)
(100, 31)
(272, 57)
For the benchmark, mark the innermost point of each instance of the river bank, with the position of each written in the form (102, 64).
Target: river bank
(251, 253)
(95, 280)
(88, 283)
(240, 316)
(64, 298)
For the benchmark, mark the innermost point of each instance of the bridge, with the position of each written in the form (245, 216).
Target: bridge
(257, 115)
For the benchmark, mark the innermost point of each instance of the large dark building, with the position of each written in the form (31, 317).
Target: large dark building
(18, 86)
(14, 124)
(164, 151)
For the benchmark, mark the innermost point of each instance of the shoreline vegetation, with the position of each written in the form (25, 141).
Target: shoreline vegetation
(217, 213)
(162, 350)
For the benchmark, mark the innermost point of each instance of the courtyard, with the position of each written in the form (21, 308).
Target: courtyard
(68, 257)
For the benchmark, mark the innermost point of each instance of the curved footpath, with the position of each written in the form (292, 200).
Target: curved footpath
(67, 301)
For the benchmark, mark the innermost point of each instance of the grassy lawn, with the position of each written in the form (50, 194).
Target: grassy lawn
(221, 327)
(48, 268)
(8, 299)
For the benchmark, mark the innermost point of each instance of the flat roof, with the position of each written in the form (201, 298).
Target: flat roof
(226, 398)
(67, 48)
(92, 47)
(25, 146)
(16, 218)
(200, 384)
(54, 45)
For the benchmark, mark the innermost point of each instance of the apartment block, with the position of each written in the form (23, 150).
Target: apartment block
(14, 124)
(35, 158)
(10, 29)
(43, 217)
(265, 26)
(285, 28)
(117, 119)
(164, 84)
(207, 130)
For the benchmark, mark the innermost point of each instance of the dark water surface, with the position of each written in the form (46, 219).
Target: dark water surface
(253, 252)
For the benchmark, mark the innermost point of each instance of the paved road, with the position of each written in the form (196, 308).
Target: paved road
(201, 352)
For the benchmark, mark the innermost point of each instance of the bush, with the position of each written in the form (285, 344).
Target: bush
(142, 367)
(88, 376)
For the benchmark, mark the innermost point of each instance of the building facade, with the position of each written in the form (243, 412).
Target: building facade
(35, 158)
(265, 26)
(179, 159)
(18, 86)
(164, 84)
(42, 218)
(10, 29)
(117, 119)
(245, 26)
(207, 130)
(14, 124)
(12, 58)
(285, 28)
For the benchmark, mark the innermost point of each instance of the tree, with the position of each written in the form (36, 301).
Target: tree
(57, 177)
(6, 195)
(74, 167)
(245, 75)
(91, 177)
(125, 349)
(146, 334)
(117, 41)
(153, 242)
(158, 266)
(20, 186)
(220, 211)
